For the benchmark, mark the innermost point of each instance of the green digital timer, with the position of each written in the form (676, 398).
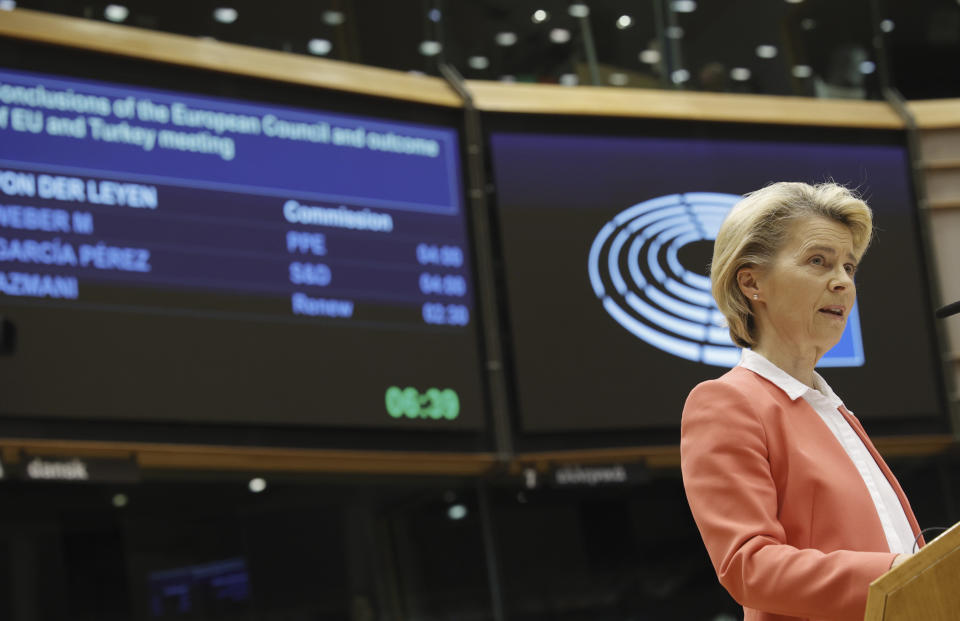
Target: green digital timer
(433, 403)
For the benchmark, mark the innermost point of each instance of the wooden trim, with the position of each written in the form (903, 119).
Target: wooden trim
(944, 203)
(662, 104)
(669, 456)
(275, 459)
(935, 113)
(654, 456)
(224, 57)
(940, 164)
(259, 459)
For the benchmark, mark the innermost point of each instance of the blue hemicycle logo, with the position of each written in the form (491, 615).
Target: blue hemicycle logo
(635, 271)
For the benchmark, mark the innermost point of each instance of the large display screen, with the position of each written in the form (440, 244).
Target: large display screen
(175, 256)
(607, 240)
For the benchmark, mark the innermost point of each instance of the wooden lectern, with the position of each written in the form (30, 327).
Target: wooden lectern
(926, 587)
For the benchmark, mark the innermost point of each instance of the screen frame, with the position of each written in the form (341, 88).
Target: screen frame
(71, 58)
(647, 127)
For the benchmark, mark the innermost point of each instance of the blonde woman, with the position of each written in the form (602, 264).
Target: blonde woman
(798, 511)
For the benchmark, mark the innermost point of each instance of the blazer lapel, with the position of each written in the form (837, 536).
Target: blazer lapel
(855, 424)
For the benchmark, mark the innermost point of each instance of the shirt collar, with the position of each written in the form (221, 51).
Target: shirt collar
(794, 388)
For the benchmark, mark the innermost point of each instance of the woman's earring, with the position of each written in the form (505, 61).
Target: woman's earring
(756, 297)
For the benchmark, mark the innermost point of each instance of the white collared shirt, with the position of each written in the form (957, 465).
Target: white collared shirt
(896, 526)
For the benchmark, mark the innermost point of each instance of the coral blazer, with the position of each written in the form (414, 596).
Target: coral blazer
(786, 517)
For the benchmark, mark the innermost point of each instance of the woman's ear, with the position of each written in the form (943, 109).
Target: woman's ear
(747, 280)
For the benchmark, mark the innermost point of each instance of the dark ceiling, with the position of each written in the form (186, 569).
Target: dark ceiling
(801, 47)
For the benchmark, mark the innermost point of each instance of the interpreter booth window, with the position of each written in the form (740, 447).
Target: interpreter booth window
(605, 553)
(438, 551)
(241, 557)
(218, 550)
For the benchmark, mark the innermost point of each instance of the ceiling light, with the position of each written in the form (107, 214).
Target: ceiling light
(624, 22)
(120, 500)
(430, 48)
(457, 512)
(116, 12)
(7, 5)
(434, 15)
(225, 15)
(680, 76)
(506, 39)
(569, 79)
(887, 25)
(320, 47)
(740, 74)
(683, 6)
(478, 62)
(808, 23)
(650, 57)
(794, 1)
(559, 35)
(867, 67)
(581, 10)
(618, 79)
(539, 16)
(767, 51)
(333, 18)
(802, 71)
(674, 32)
(257, 485)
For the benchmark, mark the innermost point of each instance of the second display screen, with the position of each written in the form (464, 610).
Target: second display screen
(607, 241)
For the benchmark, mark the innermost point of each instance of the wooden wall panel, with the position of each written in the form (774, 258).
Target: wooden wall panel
(661, 104)
(943, 187)
(940, 147)
(939, 123)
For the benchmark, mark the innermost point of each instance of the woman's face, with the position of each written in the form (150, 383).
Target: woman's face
(807, 293)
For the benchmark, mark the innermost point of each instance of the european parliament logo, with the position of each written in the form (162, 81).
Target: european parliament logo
(636, 273)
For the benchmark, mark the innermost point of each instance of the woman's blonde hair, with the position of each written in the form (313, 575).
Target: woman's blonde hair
(755, 230)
